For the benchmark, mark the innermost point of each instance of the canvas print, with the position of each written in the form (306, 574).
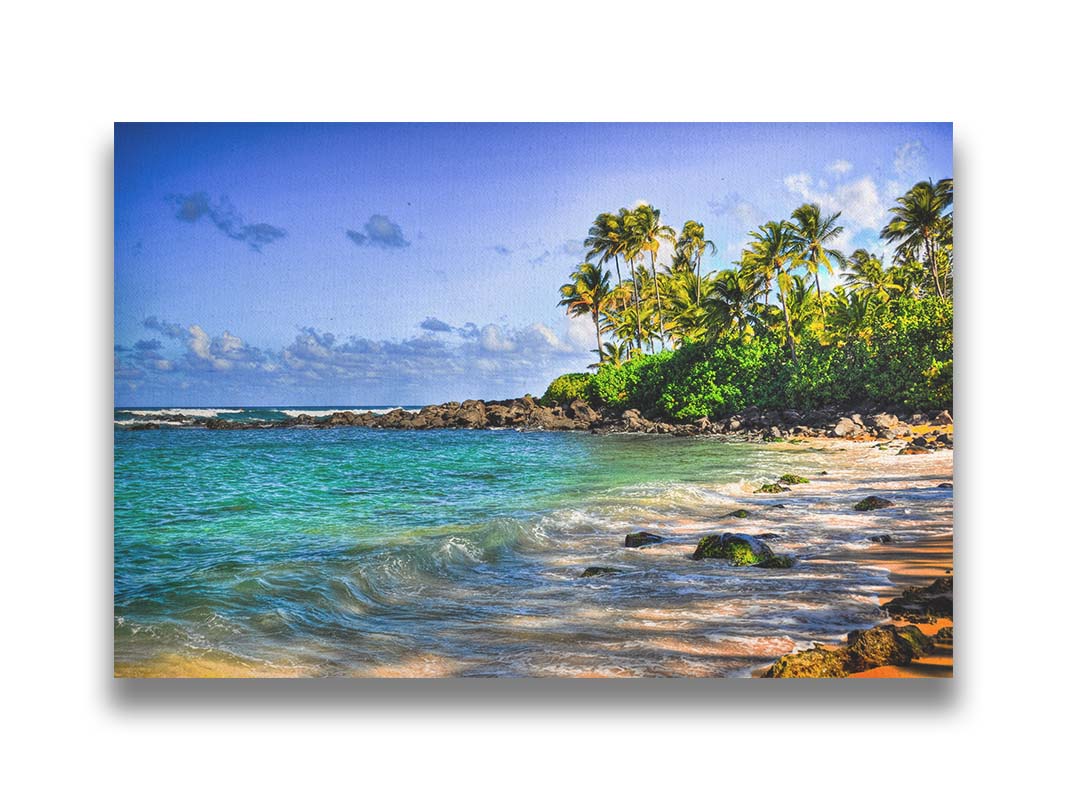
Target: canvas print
(533, 400)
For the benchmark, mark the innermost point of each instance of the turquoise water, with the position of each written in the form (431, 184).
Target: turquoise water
(351, 551)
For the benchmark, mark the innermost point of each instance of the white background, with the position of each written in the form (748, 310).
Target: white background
(69, 71)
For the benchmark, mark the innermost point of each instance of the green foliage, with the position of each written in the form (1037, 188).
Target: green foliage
(905, 362)
(572, 386)
(911, 354)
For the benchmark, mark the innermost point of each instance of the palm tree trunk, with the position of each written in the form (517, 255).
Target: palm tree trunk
(818, 291)
(659, 306)
(637, 297)
(698, 279)
(933, 265)
(599, 343)
(788, 323)
(617, 273)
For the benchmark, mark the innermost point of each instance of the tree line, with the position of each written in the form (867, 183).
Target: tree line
(640, 302)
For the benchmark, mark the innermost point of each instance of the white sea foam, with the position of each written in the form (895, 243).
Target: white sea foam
(189, 412)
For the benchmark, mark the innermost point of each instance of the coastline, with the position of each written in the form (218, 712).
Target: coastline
(917, 431)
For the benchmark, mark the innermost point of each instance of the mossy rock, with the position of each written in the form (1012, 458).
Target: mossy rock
(740, 550)
(641, 539)
(592, 572)
(771, 488)
(814, 663)
(919, 643)
(872, 503)
(740, 514)
(792, 479)
(877, 647)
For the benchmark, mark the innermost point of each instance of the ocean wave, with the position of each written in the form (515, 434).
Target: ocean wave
(189, 412)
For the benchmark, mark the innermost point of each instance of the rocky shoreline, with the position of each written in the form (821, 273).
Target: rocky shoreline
(887, 645)
(526, 413)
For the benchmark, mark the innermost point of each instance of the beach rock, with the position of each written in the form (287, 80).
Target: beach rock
(768, 536)
(944, 418)
(911, 450)
(944, 486)
(845, 428)
(884, 538)
(877, 647)
(740, 514)
(944, 440)
(872, 503)
(884, 420)
(944, 635)
(740, 550)
(582, 412)
(771, 488)
(634, 422)
(470, 414)
(792, 479)
(592, 572)
(641, 539)
(813, 663)
(923, 604)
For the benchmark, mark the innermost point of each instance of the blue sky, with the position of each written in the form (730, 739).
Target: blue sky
(359, 264)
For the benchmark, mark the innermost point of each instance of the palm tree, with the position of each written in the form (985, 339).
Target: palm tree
(646, 235)
(604, 240)
(687, 317)
(866, 276)
(587, 294)
(625, 248)
(692, 245)
(614, 354)
(733, 297)
(773, 251)
(813, 233)
(921, 220)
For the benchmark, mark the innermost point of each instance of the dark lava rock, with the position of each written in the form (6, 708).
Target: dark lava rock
(771, 488)
(872, 503)
(923, 604)
(884, 538)
(592, 572)
(814, 663)
(944, 635)
(768, 536)
(944, 486)
(641, 538)
(740, 550)
(740, 514)
(792, 479)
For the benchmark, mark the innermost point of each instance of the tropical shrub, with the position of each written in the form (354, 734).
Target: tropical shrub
(571, 386)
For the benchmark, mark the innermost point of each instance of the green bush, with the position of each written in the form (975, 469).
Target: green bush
(572, 386)
(905, 361)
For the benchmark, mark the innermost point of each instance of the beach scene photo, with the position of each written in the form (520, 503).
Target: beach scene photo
(533, 400)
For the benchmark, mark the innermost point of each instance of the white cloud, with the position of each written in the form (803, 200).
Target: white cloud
(860, 203)
(840, 167)
(910, 159)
